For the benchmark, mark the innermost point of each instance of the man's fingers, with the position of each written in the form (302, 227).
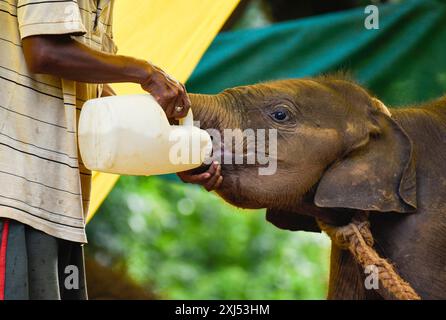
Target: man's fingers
(202, 177)
(194, 178)
(170, 98)
(163, 101)
(212, 168)
(180, 108)
(219, 182)
(186, 100)
(209, 185)
(181, 105)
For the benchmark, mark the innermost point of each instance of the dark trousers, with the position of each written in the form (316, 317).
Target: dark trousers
(37, 266)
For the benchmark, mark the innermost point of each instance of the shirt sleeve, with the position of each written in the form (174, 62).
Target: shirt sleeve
(49, 17)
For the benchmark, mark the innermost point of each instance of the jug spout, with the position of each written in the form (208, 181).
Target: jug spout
(189, 146)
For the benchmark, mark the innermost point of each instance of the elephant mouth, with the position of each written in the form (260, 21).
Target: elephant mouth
(201, 169)
(230, 157)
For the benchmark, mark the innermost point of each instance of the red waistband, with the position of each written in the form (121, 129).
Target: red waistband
(3, 246)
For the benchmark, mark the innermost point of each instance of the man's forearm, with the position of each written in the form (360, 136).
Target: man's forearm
(66, 58)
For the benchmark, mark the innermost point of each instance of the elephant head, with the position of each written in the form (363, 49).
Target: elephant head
(337, 147)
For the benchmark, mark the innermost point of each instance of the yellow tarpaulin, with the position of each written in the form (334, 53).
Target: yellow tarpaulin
(172, 34)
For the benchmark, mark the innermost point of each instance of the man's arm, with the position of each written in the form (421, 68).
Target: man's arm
(66, 58)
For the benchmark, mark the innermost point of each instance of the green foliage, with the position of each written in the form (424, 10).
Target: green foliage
(186, 243)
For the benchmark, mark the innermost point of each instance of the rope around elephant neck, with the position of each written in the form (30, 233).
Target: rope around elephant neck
(357, 238)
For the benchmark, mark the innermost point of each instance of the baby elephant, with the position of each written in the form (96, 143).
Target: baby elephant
(338, 151)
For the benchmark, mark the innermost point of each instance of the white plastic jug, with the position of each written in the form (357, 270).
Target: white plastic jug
(130, 135)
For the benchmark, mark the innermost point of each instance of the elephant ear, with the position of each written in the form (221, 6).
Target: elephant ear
(291, 221)
(379, 175)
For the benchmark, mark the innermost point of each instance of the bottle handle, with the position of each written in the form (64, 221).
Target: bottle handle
(188, 120)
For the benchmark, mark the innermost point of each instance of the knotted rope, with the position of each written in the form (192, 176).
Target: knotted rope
(357, 238)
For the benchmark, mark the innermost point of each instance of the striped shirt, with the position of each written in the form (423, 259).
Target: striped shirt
(43, 182)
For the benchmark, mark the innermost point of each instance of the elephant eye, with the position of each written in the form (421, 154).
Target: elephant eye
(280, 115)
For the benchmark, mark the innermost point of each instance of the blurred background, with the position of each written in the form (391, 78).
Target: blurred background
(155, 238)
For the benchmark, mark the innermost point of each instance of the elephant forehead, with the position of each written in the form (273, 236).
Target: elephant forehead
(289, 87)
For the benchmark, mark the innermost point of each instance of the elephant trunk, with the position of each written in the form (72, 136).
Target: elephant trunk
(212, 111)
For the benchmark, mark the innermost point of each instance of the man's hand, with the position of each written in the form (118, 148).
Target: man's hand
(169, 93)
(210, 180)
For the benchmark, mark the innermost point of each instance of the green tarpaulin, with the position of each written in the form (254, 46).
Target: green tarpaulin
(404, 61)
